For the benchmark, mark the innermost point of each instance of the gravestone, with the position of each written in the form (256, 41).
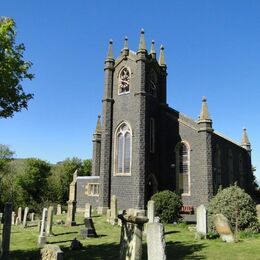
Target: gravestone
(58, 209)
(88, 209)
(32, 216)
(114, 213)
(17, 221)
(223, 228)
(151, 211)
(108, 215)
(72, 202)
(51, 252)
(201, 226)
(13, 217)
(155, 241)
(19, 215)
(131, 236)
(26, 211)
(49, 221)
(6, 232)
(258, 211)
(89, 230)
(42, 236)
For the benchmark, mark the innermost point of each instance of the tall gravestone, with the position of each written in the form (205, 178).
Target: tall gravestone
(72, 202)
(202, 227)
(151, 211)
(155, 241)
(131, 236)
(42, 236)
(58, 209)
(13, 217)
(25, 215)
(113, 212)
(32, 217)
(19, 215)
(6, 233)
(88, 209)
(49, 221)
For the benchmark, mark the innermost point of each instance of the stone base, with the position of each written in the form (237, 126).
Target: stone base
(71, 223)
(86, 232)
(102, 210)
(41, 241)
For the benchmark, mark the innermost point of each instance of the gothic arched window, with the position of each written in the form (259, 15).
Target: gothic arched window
(123, 142)
(217, 169)
(183, 168)
(241, 170)
(230, 167)
(124, 81)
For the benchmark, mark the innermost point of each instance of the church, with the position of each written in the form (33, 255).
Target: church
(142, 146)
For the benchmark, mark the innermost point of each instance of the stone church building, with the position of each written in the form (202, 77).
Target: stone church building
(142, 145)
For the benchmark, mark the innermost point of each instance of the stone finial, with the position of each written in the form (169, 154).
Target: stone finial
(161, 57)
(245, 140)
(152, 51)
(126, 43)
(142, 45)
(110, 51)
(204, 114)
(98, 127)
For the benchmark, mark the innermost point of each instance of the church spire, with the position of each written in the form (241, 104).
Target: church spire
(204, 114)
(245, 141)
(152, 51)
(98, 127)
(110, 51)
(142, 46)
(125, 50)
(161, 57)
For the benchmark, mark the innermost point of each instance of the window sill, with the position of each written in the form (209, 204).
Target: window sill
(122, 174)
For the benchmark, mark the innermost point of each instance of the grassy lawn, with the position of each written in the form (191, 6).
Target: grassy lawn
(180, 243)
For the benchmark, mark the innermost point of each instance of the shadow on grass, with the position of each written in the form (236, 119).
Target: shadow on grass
(61, 241)
(25, 255)
(178, 250)
(65, 233)
(171, 232)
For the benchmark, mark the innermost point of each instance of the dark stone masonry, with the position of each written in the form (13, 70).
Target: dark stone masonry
(143, 146)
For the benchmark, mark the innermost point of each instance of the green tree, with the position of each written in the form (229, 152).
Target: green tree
(87, 167)
(13, 70)
(33, 182)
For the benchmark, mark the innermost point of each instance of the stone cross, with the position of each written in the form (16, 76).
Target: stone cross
(19, 215)
(223, 228)
(58, 209)
(88, 209)
(13, 217)
(49, 221)
(6, 233)
(155, 241)
(202, 227)
(131, 236)
(26, 211)
(151, 211)
(113, 216)
(42, 236)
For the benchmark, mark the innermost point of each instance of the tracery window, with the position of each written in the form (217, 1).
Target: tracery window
(92, 189)
(183, 168)
(124, 81)
(123, 143)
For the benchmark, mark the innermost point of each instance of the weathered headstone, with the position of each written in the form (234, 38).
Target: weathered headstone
(51, 252)
(89, 230)
(72, 202)
(49, 221)
(155, 241)
(201, 227)
(58, 209)
(32, 216)
(151, 211)
(88, 209)
(26, 211)
(131, 236)
(42, 236)
(114, 213)
(13, 217)
(108, 215)
(223, 228)
(19, 215)
(258, 211)
(6, 233)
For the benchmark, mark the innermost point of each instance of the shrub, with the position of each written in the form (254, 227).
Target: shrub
(236, 205)
(167, 206)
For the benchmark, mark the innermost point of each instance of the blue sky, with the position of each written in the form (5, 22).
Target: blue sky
(211, 48)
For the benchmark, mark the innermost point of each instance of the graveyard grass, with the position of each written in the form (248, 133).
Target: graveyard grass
(180, 243)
